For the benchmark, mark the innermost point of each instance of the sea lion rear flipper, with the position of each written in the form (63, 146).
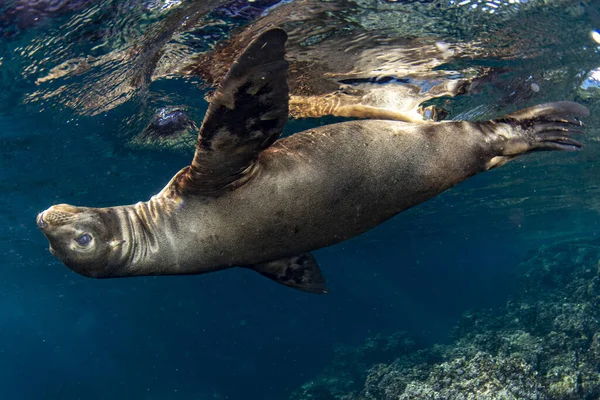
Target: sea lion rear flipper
(538, 128)
(299, 272)
(246, 115)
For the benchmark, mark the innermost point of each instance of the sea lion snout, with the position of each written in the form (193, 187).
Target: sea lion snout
(56, 216)
(41, 223)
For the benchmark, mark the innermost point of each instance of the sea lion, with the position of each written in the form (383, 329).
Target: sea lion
(335, 69)
(362, 74)
(251, 200)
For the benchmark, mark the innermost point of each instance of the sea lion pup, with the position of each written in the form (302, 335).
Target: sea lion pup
(251, 200)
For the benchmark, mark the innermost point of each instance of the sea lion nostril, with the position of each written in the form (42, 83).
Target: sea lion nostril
(40, 220)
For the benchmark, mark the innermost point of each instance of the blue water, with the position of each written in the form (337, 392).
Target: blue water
(235, 334)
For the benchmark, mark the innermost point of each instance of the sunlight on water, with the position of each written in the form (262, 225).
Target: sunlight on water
(163, 5)
(592, 80)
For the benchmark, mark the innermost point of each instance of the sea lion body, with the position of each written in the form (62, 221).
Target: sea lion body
(250, 200)
(322, 186)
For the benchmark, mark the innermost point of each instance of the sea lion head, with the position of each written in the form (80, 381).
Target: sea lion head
(87, 240)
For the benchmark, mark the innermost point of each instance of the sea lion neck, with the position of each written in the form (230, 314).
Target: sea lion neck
(139, 229)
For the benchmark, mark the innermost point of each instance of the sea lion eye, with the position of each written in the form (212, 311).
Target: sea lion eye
(84, 239)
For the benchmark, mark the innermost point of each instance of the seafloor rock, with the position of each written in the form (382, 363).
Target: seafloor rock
(544, 345)
(348, 371)
(482, 377)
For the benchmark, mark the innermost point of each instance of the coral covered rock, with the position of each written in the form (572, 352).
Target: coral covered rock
(481, 377)
(544, 345)
(348, 371)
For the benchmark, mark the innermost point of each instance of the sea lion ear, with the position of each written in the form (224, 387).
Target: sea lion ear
(299, 272)
(246, 115)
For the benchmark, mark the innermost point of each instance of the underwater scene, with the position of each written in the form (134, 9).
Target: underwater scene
(300, 199)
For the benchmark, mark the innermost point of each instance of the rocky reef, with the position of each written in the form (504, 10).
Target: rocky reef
(543, 345)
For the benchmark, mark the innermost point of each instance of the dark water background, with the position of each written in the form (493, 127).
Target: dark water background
(234, 334)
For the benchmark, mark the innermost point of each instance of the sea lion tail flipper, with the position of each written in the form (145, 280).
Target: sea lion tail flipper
(299, 272)
(542, 127)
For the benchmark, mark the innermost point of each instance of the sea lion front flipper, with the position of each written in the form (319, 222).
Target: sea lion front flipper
(299, 272)
(246, 115)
